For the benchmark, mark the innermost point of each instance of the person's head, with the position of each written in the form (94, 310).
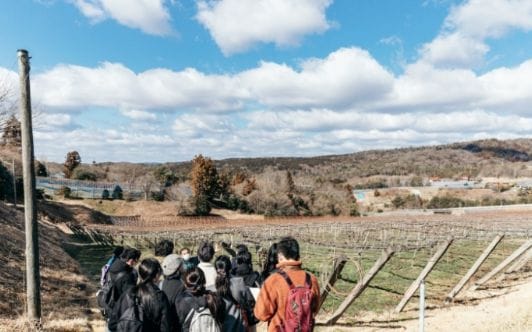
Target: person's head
(185, 253)
(205, 252)
(194, 280)
(118, 251)
(150, 270)
(243, 258)
(172, 265)
(222, 264)
(287, 249)
(131, 256)
(241, 248)
(164, 248)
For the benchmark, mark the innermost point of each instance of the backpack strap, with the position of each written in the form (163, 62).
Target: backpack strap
(289, 281)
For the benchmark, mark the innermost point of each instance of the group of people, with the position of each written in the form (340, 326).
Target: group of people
(206, 293)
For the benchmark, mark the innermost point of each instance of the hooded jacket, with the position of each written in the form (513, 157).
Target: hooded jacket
(123, 277)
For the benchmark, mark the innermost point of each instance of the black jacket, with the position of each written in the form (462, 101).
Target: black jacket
(172, 286)
(123, 277)
(186, 301)
(251, 278)
(156, 320)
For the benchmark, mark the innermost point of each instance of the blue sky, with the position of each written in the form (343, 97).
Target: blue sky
(164, 80)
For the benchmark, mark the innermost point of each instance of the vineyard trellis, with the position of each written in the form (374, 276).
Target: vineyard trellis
(326, 240)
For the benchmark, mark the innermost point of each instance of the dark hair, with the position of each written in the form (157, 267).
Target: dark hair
(118, 251)
(223, 272)
(270, 263)
(130, 253)
(164, 248)
(205, 252)
(194, 280)
(241, 248)
(289, 247)
(149, 269)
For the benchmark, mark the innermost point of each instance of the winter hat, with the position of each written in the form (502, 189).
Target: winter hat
(171, 263)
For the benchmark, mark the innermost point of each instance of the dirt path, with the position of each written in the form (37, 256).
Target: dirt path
(509, 312)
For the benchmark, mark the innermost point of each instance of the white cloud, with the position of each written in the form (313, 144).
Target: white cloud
(237, 25)
(462, 41)
(138, 115)
(150, 16)
(347, 76)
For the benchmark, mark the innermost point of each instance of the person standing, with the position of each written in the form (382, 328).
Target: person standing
(205, 255)
(288, 288)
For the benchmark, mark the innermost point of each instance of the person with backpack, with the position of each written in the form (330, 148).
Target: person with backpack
(143, 307)
(199, 310)
(239, 301)
(172, 285)
(105, 269)
(120, 277)
(289, 298)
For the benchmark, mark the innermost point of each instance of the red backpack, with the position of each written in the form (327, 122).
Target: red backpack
(298, 307)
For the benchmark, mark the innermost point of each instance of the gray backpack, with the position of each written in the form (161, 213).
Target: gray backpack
(201, 320)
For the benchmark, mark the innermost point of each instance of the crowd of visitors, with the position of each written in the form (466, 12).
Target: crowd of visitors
(183, 293)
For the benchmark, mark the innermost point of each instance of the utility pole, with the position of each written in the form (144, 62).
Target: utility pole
(14, 184)
(33, 284)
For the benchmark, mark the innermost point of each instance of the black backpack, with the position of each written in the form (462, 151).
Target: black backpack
(132, 318)
(107, 296)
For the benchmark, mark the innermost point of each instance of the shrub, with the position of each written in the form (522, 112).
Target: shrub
(157, 196)
(84, 175)
(106, 194)
(117, 193)
(202, 207)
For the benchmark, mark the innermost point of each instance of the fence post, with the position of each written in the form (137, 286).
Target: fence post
(430, 265)
(338, 267)
(422, 306)
(516, 254)
(361, 285)
(474, 268)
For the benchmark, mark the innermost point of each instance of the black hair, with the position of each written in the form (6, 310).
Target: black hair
(149, 269)
(205, 252)
(289, 247)
(270, 263)
(164, 248)
(130, 253)
(241, 248)
(194, 280)
(118, 251)
(222, 265)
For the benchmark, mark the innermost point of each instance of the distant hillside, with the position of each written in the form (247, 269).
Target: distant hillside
(490, 157)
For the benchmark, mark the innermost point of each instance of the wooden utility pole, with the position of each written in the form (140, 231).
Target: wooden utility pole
(14, 184)
(33, 285)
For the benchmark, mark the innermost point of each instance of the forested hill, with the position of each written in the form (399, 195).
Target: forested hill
(475, 158)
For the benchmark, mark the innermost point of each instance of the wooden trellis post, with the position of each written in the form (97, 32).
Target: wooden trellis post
(338, 267)
(520, 263)
(485, 254)
(361, 286)
(430, 265)
(516, 254)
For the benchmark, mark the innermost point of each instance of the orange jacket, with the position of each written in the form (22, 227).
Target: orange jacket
(270, 304)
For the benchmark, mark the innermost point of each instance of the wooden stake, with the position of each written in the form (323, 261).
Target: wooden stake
(33, 287)
(361, 286)
(485, 254)
(338, 267)
(430, 265)
(516, 254)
